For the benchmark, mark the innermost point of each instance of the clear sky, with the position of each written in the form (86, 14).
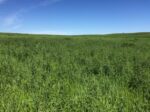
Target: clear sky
(74, 16)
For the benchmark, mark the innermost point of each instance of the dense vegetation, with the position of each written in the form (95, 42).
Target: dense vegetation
(107, 73)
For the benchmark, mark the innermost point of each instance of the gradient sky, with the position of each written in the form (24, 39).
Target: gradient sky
(74, 16)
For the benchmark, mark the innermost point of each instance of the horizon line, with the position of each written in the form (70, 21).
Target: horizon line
(25, 33)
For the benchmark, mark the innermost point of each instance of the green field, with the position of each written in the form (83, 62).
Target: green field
(93, 73)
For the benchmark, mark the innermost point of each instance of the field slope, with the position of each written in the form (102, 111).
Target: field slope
(92, 73)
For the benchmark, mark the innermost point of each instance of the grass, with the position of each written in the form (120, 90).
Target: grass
(107, 73)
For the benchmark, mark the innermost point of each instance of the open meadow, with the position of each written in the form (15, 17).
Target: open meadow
(93, 73)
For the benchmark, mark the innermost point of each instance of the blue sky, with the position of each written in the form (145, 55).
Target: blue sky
(74, 16)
